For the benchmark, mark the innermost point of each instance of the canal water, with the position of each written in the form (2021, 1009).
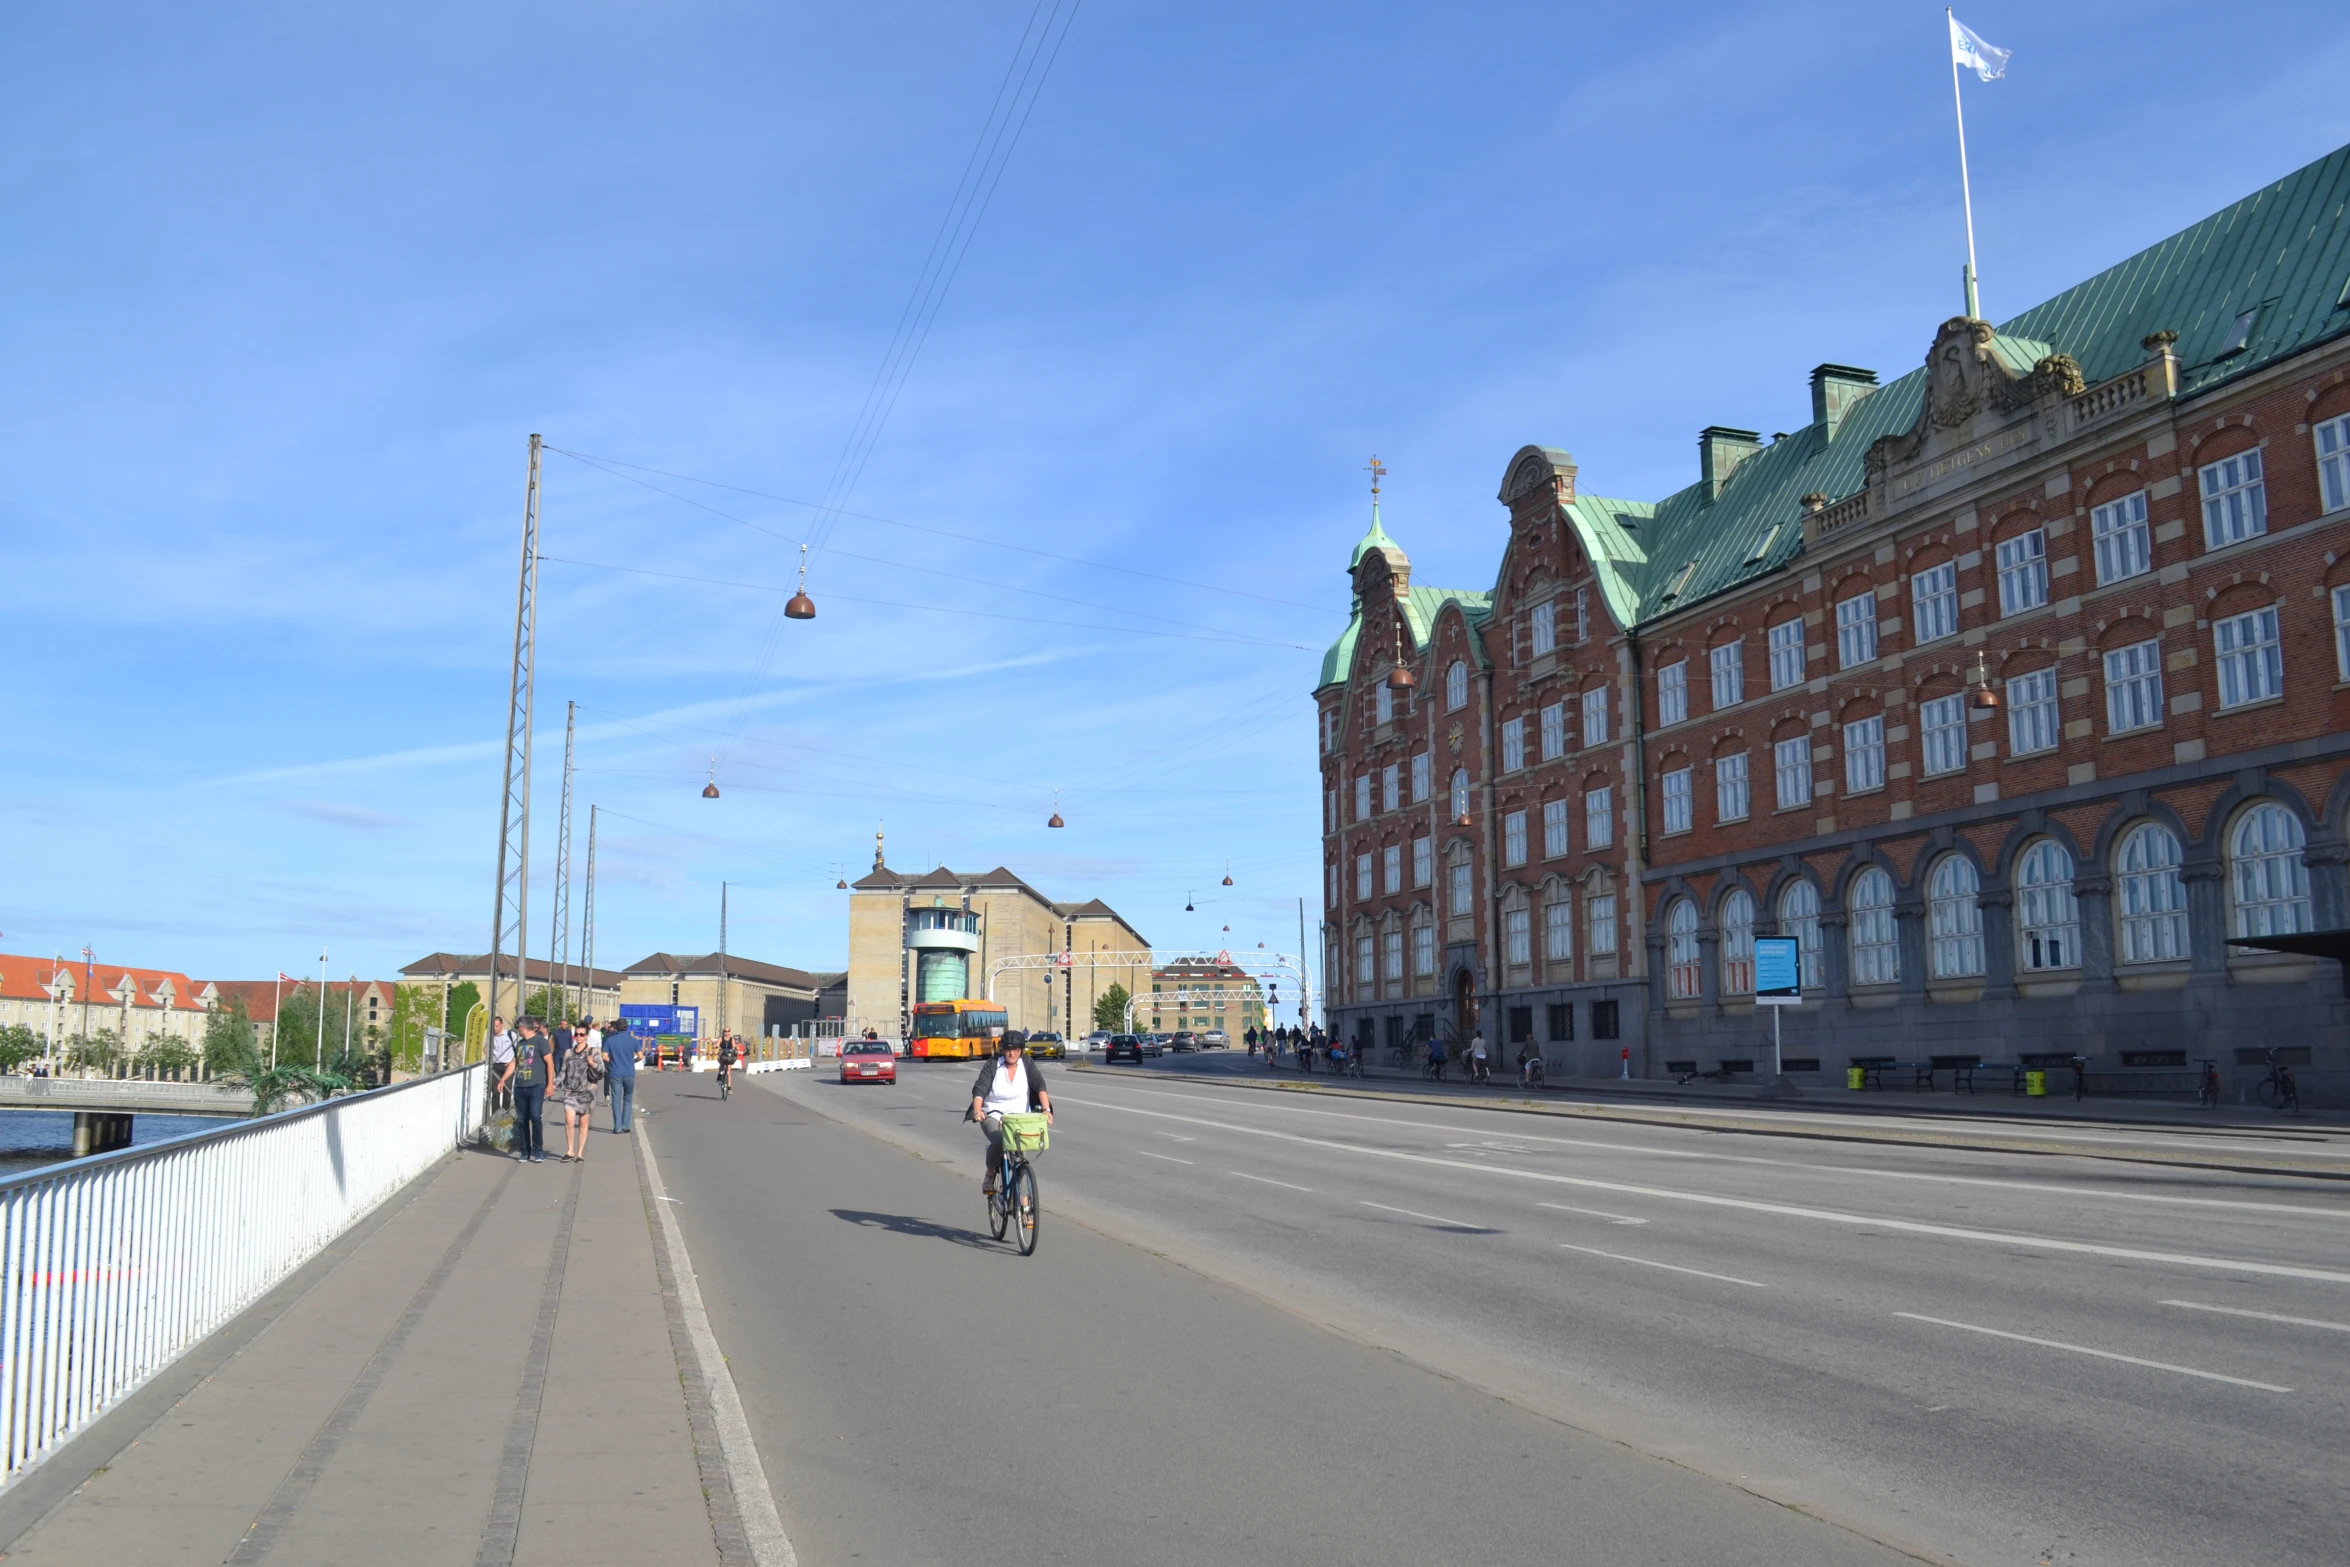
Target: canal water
(30, 1139)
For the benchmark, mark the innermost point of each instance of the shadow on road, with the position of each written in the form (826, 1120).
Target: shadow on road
(905, 1224)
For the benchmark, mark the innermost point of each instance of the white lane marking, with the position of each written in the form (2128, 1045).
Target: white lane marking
(2101, 1354)
(1179, 1137)
(658, 1198)
(1458, 1224)
(2265, 1316)
(1751, 1205)
(1596, 1213)
(1268, 1180)
(1669, 1267)
(2338, 1215)
(1170, 1158)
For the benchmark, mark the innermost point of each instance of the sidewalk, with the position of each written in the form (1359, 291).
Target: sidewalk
(496, 1373)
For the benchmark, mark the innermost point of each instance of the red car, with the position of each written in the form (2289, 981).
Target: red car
(868, 1061)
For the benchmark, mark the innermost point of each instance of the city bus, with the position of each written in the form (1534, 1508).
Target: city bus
(954, 1030)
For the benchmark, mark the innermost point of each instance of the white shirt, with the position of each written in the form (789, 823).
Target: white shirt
(1477, 1047)
(1007, 1091)
(501, 1047)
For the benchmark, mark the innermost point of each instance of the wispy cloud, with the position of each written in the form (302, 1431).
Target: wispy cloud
(356, 817)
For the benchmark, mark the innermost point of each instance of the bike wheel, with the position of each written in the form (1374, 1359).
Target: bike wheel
(2291, 1099)
(1023, 1206)
(999, 1209)
(2268, 1093)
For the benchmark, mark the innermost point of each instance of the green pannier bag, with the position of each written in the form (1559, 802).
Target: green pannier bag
(1026, 1134)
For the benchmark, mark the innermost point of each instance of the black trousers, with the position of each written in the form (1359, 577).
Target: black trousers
(530, 1130)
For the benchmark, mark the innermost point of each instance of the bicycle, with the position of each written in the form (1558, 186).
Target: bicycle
(2207, 1092)
(2278, 1090)
(1013, 1202)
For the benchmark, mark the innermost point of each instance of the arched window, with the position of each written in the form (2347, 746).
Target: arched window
(1460, 791)
(1954, 920)
(2154, 901)
(2048, 919)
(1799, 916)
(1738, 943)
(2271, 884)
(1876, 946)
(1456, 686)
(1681, 979)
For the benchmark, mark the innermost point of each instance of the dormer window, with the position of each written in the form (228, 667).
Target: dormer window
(2239, 335)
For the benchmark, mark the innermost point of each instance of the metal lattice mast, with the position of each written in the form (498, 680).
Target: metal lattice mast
(559, 936)
(587, 915)
(512, 914)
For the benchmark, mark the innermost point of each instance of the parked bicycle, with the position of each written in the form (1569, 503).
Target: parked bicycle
(2278, 1090)
(1013, 1204)
(2207, 1093)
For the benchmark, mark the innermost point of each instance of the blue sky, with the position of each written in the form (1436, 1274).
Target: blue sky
(286, 289)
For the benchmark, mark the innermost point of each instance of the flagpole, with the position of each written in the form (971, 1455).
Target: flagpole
(1966, 192)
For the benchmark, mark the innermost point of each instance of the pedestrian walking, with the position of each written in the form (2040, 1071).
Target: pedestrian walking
(620, 1047)
(576, 1077)
(560, 1034)
(501, 1065)
(527, 1076)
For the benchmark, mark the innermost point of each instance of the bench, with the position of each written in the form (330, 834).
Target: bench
(1685, 1072)
(2186, 1082)
(1872, 1069)
(1961, 1069)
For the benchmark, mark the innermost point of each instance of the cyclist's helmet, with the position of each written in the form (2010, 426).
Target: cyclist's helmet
(1013, 1039)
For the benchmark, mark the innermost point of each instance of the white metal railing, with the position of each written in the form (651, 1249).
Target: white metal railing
(111, 1267)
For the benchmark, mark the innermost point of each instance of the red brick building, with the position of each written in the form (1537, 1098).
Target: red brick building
(2014, 689)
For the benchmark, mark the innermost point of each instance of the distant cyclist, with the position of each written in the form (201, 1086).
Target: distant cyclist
(728, 1054)
(1008, 1085)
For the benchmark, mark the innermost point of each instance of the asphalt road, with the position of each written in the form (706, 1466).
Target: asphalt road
(1264, 1327)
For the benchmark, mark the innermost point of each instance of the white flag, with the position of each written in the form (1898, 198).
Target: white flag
(1987, 61)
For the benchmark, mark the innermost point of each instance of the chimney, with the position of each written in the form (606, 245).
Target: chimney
(1834, 389)
(1719, 452)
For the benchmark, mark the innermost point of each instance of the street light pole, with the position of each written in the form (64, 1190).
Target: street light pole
(319, 1062)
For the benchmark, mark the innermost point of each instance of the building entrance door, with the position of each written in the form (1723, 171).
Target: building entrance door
(1464, 1003)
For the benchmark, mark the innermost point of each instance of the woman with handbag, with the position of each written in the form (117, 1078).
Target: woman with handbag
(575, 1082)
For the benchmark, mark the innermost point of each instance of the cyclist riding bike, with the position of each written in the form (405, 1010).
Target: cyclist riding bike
(1009, 1084)
(728, 1054)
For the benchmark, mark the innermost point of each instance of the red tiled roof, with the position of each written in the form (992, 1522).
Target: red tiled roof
(24, 978)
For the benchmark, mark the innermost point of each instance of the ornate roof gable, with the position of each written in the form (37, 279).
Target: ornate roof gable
(1976, 394)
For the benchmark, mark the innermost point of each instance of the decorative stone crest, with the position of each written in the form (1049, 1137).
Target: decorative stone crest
(1968, 385)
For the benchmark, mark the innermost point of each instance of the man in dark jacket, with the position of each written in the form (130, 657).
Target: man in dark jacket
(1007, 1084)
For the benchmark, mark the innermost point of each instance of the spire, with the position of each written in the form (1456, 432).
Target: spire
(1377, 538)
(877, 865)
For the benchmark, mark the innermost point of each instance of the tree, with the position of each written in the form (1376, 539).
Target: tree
(231, 1042)
(462, 1000)
(413, 1007)
(1109, 1009)
(18, 1044)
(163, 1057)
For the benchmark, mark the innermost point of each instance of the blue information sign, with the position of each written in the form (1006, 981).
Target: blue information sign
(1778, 971)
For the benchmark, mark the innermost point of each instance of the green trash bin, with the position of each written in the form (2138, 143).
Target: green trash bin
(2035, 1085)
(1856, 1077)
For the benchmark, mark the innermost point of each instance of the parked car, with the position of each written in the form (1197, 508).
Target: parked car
(1046, 1047)
(1123, 1047)
(1184, 1039)
(868, 1061)
(1097, 1039)
(1215, 1039)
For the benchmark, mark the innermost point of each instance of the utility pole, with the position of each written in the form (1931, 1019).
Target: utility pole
(318, 1064)
(1304, 1007)
(511, 910)
(587, 914)
(722, 960)
(350, 1000)
(559, 943)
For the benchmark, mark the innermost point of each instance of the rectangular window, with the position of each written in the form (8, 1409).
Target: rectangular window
(1599, 818)
(1559, 1022)
(2342, 632)
(1864, 755)
(2133, 686)
(1554, 828)
(1384, 702)
(1334, 884)
(1933, 603)
(1366, 982)
(1677, 811)
(1513, 837)
(1582, 615)
(1729, 672)
(1423, 949)
(2119, 531)
(1517, 944)
(1330, 811)
(1730, 788)
(1391, 945)
(1554, 731)
(1856, 630)
(1464, 900)
(2251, 658)
(1545, 629)
(1672, 693)
(1390, 787)
(1791, 770)
(1362, 876)
(1363, 797)
(1599, 927)
(1558, 930)
(1391, 861)
(1513, 744)
(1943, 721)
(1595, 717)
(2031, 713)
(2235, 501)
(2333, 462)
(1423, 861)
(1786, 654)
(1420, 778)
(2023, 572)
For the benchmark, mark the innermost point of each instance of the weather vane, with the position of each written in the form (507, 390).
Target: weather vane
(1377, 470)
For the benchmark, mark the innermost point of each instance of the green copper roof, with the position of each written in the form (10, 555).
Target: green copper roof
(1376, 539)
(2282, 253)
